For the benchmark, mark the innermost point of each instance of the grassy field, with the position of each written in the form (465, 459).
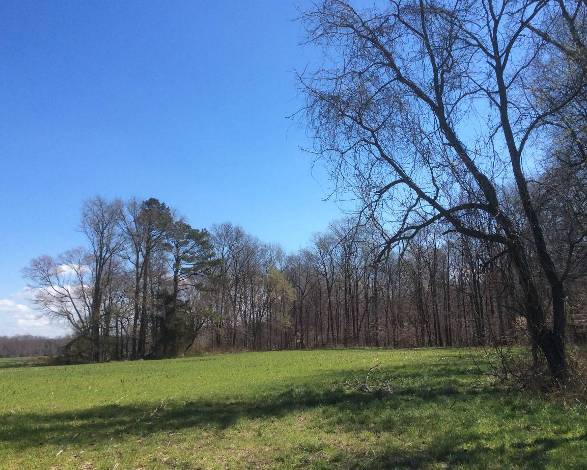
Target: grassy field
(430, 408)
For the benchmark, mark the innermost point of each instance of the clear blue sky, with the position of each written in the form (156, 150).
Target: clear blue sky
(185, 101)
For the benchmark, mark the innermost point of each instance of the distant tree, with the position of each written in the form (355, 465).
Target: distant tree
(100, 223)
(145, 225)
(280, 295)
(28, 345)
(191, 258)
(62, 288)
(134, 256)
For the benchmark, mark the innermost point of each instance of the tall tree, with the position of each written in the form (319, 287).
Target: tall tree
(398, 108)
(155, 220)
(191, 258)
(100, 223)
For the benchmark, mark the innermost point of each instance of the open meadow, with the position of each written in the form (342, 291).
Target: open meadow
(427, 408)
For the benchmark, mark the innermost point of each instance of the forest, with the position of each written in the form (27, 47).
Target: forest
(149, 285)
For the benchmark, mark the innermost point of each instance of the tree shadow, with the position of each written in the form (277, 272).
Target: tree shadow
(326, 391)
(103, 423)
(460, 452)
(335, 406)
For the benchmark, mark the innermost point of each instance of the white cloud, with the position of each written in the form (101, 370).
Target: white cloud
(18, 317)
(72, 269)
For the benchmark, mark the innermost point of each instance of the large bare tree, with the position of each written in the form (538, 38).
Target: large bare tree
(429, 111)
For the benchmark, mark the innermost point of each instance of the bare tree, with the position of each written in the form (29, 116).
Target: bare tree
(62, 288)
(425, 109)
(100, 223)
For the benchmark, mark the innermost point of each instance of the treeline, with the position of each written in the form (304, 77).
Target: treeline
(346, 289)
(458, 130)
(27, 345)
(343, 291)
(149, 285)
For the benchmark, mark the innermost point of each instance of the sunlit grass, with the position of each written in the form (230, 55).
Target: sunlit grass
(429, 408)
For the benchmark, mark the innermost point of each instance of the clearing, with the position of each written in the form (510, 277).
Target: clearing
(428, 408)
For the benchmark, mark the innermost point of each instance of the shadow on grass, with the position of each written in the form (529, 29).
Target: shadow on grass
(464, 452)
(442, 409)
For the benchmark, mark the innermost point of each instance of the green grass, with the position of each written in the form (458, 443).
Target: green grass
(296, 409)
(8, 362)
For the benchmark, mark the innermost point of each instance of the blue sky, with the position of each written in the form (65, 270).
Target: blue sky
(185, 101)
